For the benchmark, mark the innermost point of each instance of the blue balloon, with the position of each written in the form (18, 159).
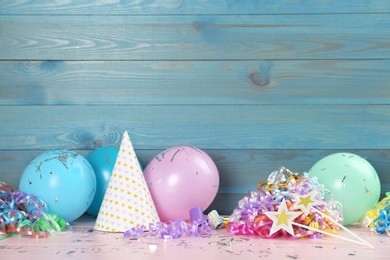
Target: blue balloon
(102, 161)
(63, 179)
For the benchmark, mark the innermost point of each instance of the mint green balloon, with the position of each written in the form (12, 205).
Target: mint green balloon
(352, 180)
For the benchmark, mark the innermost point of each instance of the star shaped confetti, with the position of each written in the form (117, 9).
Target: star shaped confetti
(306, 202)
(282, 219)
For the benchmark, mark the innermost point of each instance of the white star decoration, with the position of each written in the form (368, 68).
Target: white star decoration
(306, 202)
(282, 219)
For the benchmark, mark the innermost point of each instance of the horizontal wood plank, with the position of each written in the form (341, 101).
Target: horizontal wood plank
(191, 7)
(357, 36)
(194, 82)
(239, 170)
(208, 127)
(257, 84)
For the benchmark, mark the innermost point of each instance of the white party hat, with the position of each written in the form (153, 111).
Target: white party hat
(127, 202)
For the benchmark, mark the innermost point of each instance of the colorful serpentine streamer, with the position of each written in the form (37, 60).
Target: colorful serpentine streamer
(378, 219)
(248, 218)
(22, 214)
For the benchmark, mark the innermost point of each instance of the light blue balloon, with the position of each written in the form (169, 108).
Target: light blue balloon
(102, 161)
(63, 179)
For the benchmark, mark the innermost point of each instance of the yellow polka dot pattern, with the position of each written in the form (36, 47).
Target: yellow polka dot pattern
(127, 201)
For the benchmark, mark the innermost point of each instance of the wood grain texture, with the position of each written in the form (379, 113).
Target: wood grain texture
(209, 127)
(45, 37)
(191, 7)
(257, 84)
(194, 82)
(239, 170)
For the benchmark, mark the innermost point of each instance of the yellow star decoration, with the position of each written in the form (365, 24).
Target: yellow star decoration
(305, 202)
(282, 219)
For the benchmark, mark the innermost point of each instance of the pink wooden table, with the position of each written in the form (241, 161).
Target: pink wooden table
(83, 243)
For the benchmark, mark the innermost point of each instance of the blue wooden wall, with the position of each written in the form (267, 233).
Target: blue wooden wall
(256, 83)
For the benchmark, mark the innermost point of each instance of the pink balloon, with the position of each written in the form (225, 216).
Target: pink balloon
(180, 179)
